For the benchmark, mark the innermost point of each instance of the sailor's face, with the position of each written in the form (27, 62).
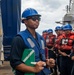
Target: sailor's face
(33, 22)
(67, 31)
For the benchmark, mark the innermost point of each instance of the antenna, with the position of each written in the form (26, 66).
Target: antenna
(70, 4)
(68, 7)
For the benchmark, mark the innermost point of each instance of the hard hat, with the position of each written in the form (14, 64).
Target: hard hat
(67, 27)
(62, 27)
(45, 31)
(29, 12)
(50, 31)
(57, 28)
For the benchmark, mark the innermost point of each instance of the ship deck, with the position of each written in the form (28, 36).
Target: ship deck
(6, 69)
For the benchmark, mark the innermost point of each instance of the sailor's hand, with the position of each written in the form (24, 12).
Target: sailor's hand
(72, 58)
(68, 55)
(39, 66)
(50, 62)
(62, 53)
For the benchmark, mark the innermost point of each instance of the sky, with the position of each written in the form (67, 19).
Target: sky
(50, 10)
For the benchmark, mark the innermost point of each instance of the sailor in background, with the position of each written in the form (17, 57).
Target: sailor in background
(44, 34)
(59, 31)
(72, 57)
(65, 48)
(50, 41)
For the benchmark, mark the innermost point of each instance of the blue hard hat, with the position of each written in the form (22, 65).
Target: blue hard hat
(29, 12)
(57, 28)
(50, 31)
(62, 27)
(67, 27)
(45, 31)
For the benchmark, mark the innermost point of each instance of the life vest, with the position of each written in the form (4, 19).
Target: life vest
(72, 35)
(67, 42)
(44, 35)
(50, 40)
(58, 41)
(37, 45)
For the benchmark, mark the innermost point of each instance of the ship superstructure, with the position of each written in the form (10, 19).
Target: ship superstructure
(69, 16)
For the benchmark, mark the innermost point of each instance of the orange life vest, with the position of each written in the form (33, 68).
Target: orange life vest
(44, 36)
(58, 41)
(50, 40)
(66, 42)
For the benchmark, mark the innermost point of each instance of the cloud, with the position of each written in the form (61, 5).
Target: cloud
(51, 11)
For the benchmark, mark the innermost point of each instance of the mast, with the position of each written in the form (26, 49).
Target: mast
(69, 16)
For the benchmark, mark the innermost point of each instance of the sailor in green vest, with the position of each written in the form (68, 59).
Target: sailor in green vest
(29, 39)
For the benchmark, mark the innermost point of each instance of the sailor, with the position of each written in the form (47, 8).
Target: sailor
(72, 58)
(44, 34)
(50, 39)
(59, 31)
(72, 55)
(65, 50)
(30, 39)
(50, 43)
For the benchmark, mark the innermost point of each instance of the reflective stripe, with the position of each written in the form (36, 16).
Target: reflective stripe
(27, 57)
(31, 42)
(42, 42)
(65, 41)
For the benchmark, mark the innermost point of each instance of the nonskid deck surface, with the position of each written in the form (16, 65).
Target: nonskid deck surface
(5, 69)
